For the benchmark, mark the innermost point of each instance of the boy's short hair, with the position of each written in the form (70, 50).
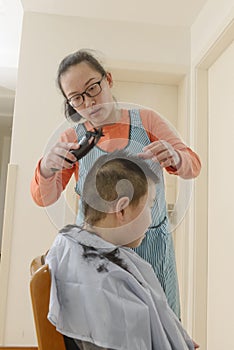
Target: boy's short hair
(115, 175)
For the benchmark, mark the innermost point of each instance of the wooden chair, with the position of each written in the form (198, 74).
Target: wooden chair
(47, 336)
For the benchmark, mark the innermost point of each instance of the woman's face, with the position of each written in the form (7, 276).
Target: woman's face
(80, 78)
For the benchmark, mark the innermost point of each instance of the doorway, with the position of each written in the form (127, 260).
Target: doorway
(6, 116)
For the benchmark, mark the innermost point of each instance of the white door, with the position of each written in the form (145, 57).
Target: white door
(162, 99)
(220, 312)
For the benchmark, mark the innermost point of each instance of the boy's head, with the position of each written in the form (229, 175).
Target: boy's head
(118, 194)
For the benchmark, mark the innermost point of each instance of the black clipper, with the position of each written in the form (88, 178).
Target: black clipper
(85, 144)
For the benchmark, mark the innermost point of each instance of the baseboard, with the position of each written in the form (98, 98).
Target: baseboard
(17, 348)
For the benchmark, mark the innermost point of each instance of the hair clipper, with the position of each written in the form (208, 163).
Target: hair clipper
(85, 144)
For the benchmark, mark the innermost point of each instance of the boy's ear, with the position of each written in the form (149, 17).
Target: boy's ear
(109, 79)
(121, 205)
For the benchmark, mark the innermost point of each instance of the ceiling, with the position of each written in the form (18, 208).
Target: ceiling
(166, 13)
(180, 13)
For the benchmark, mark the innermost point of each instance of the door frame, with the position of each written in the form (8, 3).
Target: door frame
(200, 98)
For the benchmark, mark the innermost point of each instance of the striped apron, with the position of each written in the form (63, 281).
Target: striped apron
(157, 247)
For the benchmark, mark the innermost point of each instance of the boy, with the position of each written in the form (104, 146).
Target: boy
(103, 295)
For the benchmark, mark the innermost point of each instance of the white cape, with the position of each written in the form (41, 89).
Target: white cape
(96, 300)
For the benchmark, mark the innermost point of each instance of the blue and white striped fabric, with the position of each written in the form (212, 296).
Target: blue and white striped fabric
(157, 247)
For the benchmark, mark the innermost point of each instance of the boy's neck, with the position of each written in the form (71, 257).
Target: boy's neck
(106, 231)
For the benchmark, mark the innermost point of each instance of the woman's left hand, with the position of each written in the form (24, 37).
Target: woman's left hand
(163, 152)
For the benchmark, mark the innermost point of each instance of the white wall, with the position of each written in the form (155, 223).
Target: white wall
(46, 39)
(211, 21)
(11, 14)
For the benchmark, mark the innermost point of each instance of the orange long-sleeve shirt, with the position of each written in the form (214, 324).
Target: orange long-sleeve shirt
(46, 191)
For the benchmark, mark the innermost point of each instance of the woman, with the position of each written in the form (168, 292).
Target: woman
(86, 87)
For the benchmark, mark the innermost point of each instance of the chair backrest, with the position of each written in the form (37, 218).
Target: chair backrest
(47, 336)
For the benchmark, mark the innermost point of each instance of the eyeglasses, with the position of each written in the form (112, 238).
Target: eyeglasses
(91, 91)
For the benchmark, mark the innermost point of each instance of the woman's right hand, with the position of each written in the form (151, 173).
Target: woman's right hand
(54, 160)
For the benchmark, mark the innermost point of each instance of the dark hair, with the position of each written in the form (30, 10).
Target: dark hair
(115, 175)
(72, 60)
